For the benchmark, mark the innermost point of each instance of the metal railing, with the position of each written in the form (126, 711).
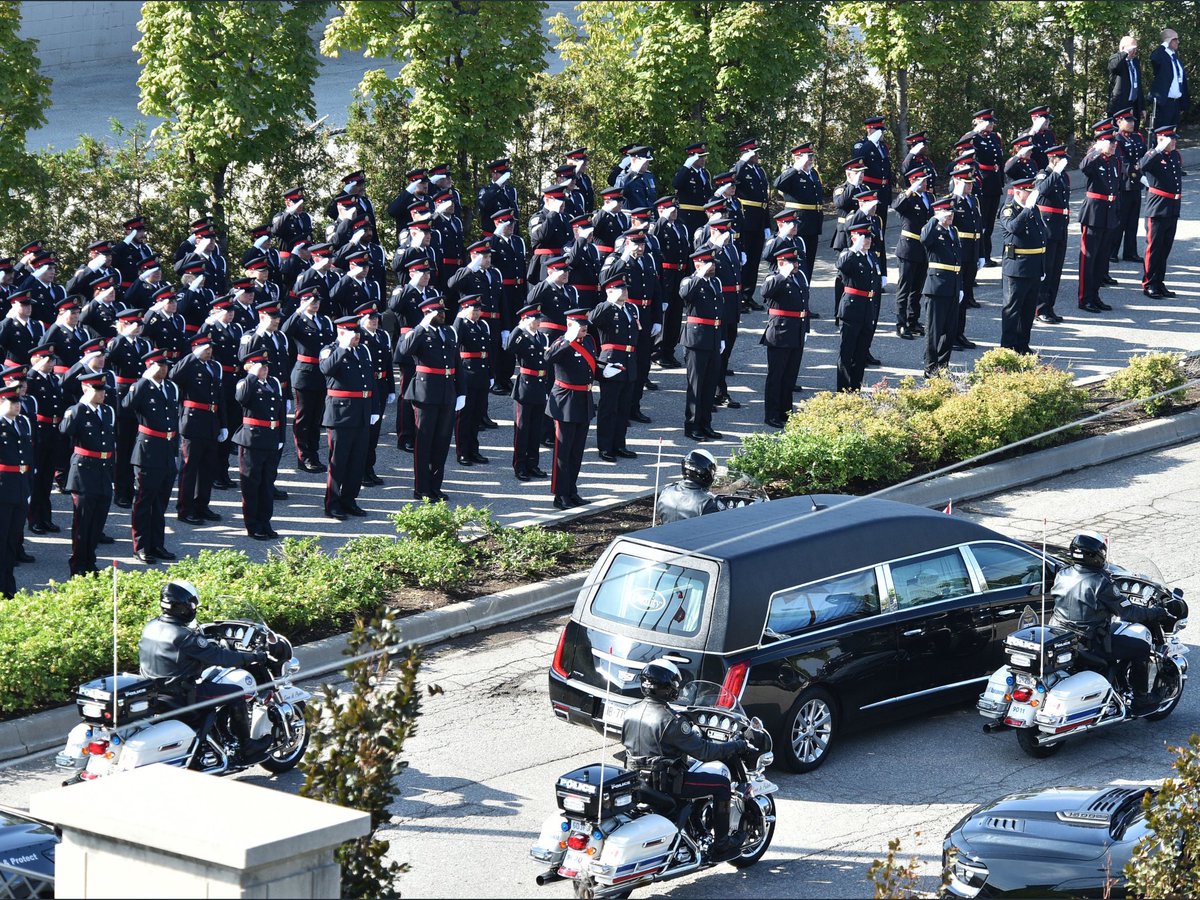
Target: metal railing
(17, 883)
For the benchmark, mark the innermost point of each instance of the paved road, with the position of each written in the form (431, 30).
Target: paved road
(1085, 343)
(484, 760)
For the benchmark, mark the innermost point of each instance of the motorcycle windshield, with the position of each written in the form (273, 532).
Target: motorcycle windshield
(708, 694)
(229, 607)
(1138, 566)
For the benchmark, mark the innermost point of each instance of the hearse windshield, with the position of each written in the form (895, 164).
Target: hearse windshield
(653, 596)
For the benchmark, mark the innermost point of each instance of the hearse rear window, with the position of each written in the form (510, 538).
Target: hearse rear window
(653, 596)
(839, 599)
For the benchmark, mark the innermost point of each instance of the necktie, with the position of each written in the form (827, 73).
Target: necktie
(1132, 79)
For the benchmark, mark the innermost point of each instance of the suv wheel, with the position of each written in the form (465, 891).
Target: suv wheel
(809, 730)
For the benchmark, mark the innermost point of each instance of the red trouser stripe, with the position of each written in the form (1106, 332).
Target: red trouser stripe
(1149, 244)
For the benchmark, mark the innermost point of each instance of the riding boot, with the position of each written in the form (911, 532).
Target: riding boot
(725, 846)
(251, 751)
(1144, 699)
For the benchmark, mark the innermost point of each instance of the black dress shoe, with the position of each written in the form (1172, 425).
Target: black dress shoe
(638, 416)
(279, 493)
(521, 476)
(1108, 281)
(973, 304)
(774, 423)
(626, 453)
(479, 458)
(538, 473)
(339, 515)
(487, 422)
(357, 510)
(163, 553)
(23, 557)
(315, 466)
(873, 361)
(465, 461)
(209, 516)
(51, 527)
(1045, 319)
(1155, 293)
(1104, 306)
(190, 519)
(1114, 258)
(440, 495)
(709, 433)
(967, 342)
(37, 528)
(148, 558)
(651, 386)
(125, 502)
(576, 500)
(371, 480)
(223, 483)
(903, 332)
(608, 457)
(813, 315)
(694, 435)
(260, 535)
(1165, 292)
(990, 263)
(1090, 307)
(270, 532)
(548, 441)
(669, 362)
(1136, 259)
(407, 446)
(917, 329)
(500, 390)
(562, 503)
(417, 495)
(106, 538)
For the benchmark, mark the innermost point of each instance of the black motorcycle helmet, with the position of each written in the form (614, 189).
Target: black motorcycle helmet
(1089, 550)
(661, 681)
(179, 599)
(699, 468)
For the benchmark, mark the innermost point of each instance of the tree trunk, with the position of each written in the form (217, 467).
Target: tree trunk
(1069, 60)
(902, 98)
(218, 210)
(823, 108)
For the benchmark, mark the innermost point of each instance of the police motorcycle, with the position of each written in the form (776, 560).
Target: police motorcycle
(126, 724)
(617, 830)
(1054, 688)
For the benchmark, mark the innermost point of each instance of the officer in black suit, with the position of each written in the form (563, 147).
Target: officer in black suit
(989, 156)
(785, 295)
(225, 336)
(499, 194)
(259, 439)
(693, 187)
(861, 282)
(615, 323)
(943, 286)
(155, 402)
(123, 355)
(45, 387)
(1163, 169)
(573, 358)
(164, 327)
(353, 289)
(293, 224)
(727, 264)
(1169, 88)
(309, 331)
(278, 348)
(1097, 217)
(873, 150)
(803, 195)
(751, 187)
(1024, 264)
(137, 296)
(202, 428)
(317, 275)
(405, 308)
(350, 410)
(636, 182)
(89, 428)
(44, 294)
(474, 340)
(131, 252)
(1021, 164)
(509, 263)
(703, 308)
(1041, 135)
(379, 343)
(967, 224)
(845, 205)
(918, 157)
(452, 236)
(65, 335)
(97, 266)
(436, 392)
(528, 345)
(1125, 88)
(1054, 203)
(549, 230)
(99, 314)
(19, 333)
(674, 249)
(610, 221)
(244, 300)
(1131, 147)
(913, 207)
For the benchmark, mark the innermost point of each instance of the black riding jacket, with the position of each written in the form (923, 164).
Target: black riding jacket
(685, 500)
(171, 651)
(652, 730)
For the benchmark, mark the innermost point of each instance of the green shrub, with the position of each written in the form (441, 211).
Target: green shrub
(1148, 375)
(1166, 861)
(425, 521)
(1001, 360)
(530, 550)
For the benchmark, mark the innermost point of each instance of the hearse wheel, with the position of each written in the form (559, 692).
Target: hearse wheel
(810, 730)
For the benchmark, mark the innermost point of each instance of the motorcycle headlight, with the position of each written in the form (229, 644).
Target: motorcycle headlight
(765, 760)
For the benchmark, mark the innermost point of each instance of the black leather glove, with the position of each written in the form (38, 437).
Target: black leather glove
(257, 657)
(737, 747)
(279, 650)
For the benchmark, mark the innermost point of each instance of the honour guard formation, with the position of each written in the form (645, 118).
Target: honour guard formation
(136, 382)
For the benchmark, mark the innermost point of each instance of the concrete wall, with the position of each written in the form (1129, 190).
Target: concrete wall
(70, 31)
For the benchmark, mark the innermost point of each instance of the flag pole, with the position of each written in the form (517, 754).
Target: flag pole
(1042, 664)
(657, 473)
(116, 645)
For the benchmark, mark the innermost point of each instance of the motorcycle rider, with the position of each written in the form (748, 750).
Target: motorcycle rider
(1085, 600)
(654, 734)
(690, 497)
(176, 654)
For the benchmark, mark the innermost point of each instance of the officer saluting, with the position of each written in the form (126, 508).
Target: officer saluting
(16, 471)
(350, 410)
(474, 339)
(528, 346)
(860, 288)
(379, 344)
(1024, 264)
(803, 195)
(617, 326)
(309, 331)
(703, 307)
(259, 439)
(89, 427)
(436, 392)
(202, 427)
(785, 294)
(943, 285)
(570, 405)
(155, 402)
(1163, 170)
(46, 390)
(1097, 217)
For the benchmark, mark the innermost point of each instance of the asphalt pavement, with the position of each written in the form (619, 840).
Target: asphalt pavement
(487, 751)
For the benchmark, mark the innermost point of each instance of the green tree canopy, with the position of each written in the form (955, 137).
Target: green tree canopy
(24, 96)
(231, 80)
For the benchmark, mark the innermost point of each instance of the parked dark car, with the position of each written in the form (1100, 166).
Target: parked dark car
(1055, 842)
(821, 613)
(26, 855)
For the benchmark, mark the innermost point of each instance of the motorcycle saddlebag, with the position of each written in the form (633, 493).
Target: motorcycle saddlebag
(135, 698)
(636, 849)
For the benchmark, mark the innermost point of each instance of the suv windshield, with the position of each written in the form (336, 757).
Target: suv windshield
(653, 596)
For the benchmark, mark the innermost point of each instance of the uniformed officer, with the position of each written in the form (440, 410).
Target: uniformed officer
(703, 307)
(258, 268)
(27, 409)
(19, 333)
(918, 156)
(65, 335)
(317, 275)
(803, 196)
(244, 300)
(968, 224)
(1021, 164)
(528, 346)
(636, 182)
(131, 251)
(1054, 203)
(123, 354)
(873, 150)
(509, 263)
(100, 316)
(727, 268)
(785, 294)
(693, 187)
(637, 263)
(622, 164)
(309, 332)
(549, 230)
(225, 336)
(353, 289)
(989, 156)
(259, 439)
(499, 194)
(1131, 147)
(860, 287)
(868, 202)
(609, 221)
(1041, 134)
(845, 205)
(1163, 169)
(674, 250)
(45, 387)
(615, 322)
(447, 224)
(569, 404)
(155, 402)
(268, 337)
(1024, 264)
(44, 294)
(943, 285)
(405, 306)
(202, 428)
(585, 191)
(97, 266)
(350, 410)
(379, 344)
(1097, 217)
(474, 341)
(913, 206)
(89, 428)
(164, 327)
(785, 237)
(751, 187)
(583, 273)
(293, 224)
(262, 250)
(436, 394)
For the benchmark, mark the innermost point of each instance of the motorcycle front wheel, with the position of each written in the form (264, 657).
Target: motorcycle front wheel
(1173, 682)
(758, 834)
(1027, 740)
(285, 758)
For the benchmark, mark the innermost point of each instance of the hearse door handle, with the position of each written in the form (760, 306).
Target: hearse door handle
(1007, 612)
(675, 658)
(913, 632)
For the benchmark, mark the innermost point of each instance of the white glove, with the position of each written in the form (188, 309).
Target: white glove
(691, 160)
(722, 347)
(979, 262)
(664, 307)
(745, 157)
(875, 136)
(504, 337)
(959, 188)
(261, 241)
(980, 125)
(491, 382)
(128, 239)
(503, 178)
(743, 259)
(1038, 124)
(289, 406)
(767, 233)
(461, 400)
(96, 262)
(611, 370)
(391, 398)
(624, 162)
(280, 447)
(960, 296)
(869, 206)
(883, 281)
(374, 418)
(475, 264)
(918, 147)
(357, 236)
(222, 435)
(1025, 152)
(655, 330)
(1043, 278)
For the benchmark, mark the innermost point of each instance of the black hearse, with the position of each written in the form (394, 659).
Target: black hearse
(820, 613)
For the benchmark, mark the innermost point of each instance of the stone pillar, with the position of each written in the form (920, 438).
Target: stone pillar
(160, 831)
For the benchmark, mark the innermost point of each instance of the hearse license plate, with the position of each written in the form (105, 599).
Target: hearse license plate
(614, 713)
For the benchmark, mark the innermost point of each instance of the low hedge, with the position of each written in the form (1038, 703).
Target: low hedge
(858, 441)
(1148, 375)
(52, 640)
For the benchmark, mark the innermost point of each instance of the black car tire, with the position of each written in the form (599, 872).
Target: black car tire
(755, 853)
(1025, 738)
(813, 724)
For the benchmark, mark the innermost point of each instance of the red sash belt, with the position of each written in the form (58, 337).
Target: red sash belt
(261, 423)
(589, 288)
(52, 420)
(536, 373)
(988, 168)
(121, 380)
(586, 354)
(94, 454)
(696, 320)
(871, 180)
(553, 326)
(472, 355)
(638, 301)
(1156, 192)
(571, 387)
(195, 404)
(672, 266)
(228, 368)
(452, 262)
(21, 469)
(628, 348)
(512, 282)
(61, 370)
(190, 328)
(308, 360)
(1092, 195)
(165, 435)
(1051, 209)
(604, 248)
(428, 370)
(729, 289)
(546, 251)
(358, 395)
(790, 313)
(855, 292)
(490, 315)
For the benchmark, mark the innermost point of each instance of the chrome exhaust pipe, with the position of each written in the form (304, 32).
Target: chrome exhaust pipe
(549, 877)
(993, 726)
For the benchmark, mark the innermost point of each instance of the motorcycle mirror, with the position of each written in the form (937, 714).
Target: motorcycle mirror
(1029, 618)
(1177, 592)
(756, 724)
